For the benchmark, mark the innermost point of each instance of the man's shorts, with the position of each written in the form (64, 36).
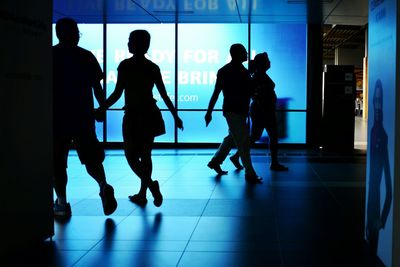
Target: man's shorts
(87, 146)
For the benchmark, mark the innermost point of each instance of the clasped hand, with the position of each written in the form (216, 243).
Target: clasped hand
(100, 114)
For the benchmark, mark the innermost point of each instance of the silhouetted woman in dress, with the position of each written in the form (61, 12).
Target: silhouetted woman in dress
(142, 121)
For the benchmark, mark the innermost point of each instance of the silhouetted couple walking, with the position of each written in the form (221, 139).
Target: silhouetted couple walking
(239, 86)
(77, 76)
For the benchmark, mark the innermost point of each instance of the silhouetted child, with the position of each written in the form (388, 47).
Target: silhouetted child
(142, 121)
(76, 73)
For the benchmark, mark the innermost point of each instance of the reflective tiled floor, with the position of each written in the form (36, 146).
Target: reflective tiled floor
(311, 215)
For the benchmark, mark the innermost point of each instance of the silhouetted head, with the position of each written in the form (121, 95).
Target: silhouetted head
(261, 62)
(139, 42)
(378, 101)
(67, 31)
(238, 53)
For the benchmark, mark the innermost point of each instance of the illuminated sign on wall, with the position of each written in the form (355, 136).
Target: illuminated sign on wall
(202, 50)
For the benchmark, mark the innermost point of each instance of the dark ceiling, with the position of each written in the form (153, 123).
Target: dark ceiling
(343, 36)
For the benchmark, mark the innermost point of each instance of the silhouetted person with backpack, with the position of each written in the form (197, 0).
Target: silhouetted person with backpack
(76, 76)
(233, 80)
(142, 121)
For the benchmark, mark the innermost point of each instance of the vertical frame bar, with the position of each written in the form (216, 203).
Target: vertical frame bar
(249, 31)
(176, 71)
(105, 64)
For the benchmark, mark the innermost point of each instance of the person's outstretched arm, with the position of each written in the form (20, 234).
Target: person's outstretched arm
(114, 95)
(163, 93)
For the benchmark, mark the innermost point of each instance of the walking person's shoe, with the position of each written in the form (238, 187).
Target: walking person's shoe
(108, 200)
(138, 199)
(62, 210)
(278, 167)
(235, 160)
(253, 179)
(154, 188)
(216, 167)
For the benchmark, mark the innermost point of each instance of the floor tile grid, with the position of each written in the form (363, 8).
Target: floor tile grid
(200, 217)
(208, 202)
(192, 254)
(85, 252)
(288, 257)
(191, 235)
(202, 212)
(91, 249)
(265, 156)
(73, 166)
(216, 252)
(295, 200)
(354, 242)
(275, 209)
(329, 185)
(276, 183)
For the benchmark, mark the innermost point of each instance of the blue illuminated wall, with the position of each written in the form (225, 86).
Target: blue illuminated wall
(381, 154)
(202, 50)
(286, 47)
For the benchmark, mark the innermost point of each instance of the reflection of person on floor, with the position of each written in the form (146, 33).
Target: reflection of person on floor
(263, 110)
(76, 76)
(233, 80)
(142, 121)
(379, 165)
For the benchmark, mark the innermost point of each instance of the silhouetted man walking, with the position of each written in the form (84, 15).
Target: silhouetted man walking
(233, 80)
(76, 73)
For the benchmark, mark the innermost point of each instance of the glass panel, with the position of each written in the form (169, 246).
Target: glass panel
(286, 45)
(195, 130)
(201, 53)
(161, 52)
(168, 137)
(114, 127)
(203, 49)
(291, 128)
(99, 131)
